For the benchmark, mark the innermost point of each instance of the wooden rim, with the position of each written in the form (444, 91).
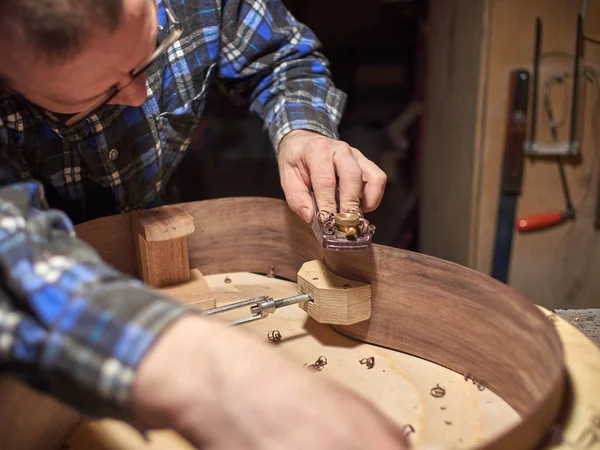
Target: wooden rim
(433, 309)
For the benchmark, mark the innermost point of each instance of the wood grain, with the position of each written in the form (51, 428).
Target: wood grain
(433, 309)
(591, 25)
(193, 292)
(163, 224)
(160, 239)
(31, 421)
(163, 263)
(456, 61)
(115, 238)
(399, 385)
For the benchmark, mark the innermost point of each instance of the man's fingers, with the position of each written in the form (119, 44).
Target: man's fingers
(336, 172)
(323, 179)
(297, 194)
(375, 181)
(350, 176)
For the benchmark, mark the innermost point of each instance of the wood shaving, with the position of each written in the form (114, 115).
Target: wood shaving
(408, 429)
(437, 391)
(369, 362)
(318, 365)
(274, 335)
(480, 386)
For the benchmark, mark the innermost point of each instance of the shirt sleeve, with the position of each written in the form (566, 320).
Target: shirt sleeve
(70, 325)
(274, 60)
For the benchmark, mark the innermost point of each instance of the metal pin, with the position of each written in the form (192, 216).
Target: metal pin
(235, 305)
(260, 307)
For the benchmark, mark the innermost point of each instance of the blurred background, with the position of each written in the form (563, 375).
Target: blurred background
(376, 56)
(429, 97)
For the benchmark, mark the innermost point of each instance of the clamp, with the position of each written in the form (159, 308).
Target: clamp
(260, 307)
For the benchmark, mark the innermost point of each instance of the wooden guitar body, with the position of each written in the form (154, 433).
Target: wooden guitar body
(440, 313)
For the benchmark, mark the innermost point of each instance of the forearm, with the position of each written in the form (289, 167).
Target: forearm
(71, 326)
(270, 57)
(225, 376)
(234, 391)
(300, 95)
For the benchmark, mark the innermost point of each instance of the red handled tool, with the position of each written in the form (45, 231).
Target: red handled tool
(541, 221)
(551, 218)
(548, 219)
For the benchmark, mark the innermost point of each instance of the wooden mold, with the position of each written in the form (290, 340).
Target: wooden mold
(432, 309)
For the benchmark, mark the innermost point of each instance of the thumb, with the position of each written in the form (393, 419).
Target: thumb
(297, 195)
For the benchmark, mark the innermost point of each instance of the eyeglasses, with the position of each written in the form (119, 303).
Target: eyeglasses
(160, 50)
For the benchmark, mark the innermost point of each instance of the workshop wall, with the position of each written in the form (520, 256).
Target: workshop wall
(559, 267)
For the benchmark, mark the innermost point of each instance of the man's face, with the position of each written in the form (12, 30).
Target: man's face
(106, 60)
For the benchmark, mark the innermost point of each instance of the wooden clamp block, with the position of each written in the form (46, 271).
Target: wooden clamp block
(160, 236)
(336, 300)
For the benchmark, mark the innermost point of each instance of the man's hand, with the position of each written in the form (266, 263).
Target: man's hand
(309, 160)
(222, 389)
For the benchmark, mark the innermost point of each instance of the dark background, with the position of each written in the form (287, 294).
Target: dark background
(377, 55)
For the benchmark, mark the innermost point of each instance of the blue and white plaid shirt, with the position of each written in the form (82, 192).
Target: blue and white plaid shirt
(70, 325)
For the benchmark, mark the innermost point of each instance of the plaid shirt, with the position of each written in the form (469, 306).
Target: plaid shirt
(121, 158)
(70, 325)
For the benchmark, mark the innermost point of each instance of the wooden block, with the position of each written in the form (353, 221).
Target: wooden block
(160, 237)
(165, 223)
(193, 292)
(163, 263)
(591, 23)
(336, 300)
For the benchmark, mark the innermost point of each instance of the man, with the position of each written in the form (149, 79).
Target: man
(100, 99)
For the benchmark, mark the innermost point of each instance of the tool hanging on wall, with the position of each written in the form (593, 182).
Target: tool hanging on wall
(597, 215)
(512, 172)
(591, 33)
(326, 297)
(558, 149)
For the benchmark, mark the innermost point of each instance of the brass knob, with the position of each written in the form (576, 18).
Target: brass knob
(347, 219)
(347, 223)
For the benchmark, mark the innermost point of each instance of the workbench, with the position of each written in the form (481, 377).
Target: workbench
(585, 320)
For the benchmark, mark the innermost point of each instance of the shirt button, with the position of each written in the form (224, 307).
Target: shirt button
(113, 154)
